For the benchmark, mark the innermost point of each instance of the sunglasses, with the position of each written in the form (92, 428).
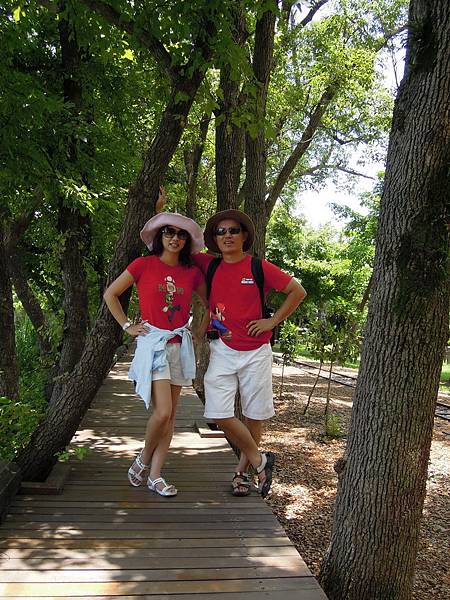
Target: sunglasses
(171, 232)
(223, 230)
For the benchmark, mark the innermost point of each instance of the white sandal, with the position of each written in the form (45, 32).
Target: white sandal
(168, 489)
(137, 470)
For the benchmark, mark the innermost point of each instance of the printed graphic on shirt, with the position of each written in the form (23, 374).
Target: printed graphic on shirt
(247, 280)
(170, 289)
(217, 319)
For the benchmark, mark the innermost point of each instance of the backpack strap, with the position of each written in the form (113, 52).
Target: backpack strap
(212, 268)
(258, 274)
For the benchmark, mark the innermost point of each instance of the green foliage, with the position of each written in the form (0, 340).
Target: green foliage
(333, 427)
(289, 341)
(79, 452)
(334, 336)
(18, 420)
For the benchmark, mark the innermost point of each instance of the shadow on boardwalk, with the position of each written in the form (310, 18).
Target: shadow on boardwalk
(102, 538)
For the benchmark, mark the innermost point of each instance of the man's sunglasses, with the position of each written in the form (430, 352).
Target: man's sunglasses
(223, 230)
(170, 232)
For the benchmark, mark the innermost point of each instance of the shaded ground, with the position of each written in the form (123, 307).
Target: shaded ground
(305, 483)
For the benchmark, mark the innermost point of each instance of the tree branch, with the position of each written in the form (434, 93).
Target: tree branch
(301, 147)
(125, 24)
(309, 17)
(353, 172)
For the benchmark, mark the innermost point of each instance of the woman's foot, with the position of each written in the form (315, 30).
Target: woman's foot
(265, 472)
(136, 473)
(161, 487)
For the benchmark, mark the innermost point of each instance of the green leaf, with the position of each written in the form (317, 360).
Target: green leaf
(17, 13)
(128, 54)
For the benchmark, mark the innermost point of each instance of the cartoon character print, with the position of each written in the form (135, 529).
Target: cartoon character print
(217, 319)
(170, 289)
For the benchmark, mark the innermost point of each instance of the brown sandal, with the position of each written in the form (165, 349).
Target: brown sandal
(267, 464)
(241, 484)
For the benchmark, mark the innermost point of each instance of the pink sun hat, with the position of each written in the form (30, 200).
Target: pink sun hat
(154, 224)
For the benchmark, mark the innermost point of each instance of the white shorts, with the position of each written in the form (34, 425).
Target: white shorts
(251, 370)
(172, 371)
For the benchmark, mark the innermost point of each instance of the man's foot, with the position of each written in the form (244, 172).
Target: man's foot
(265, 472)
(241, 484)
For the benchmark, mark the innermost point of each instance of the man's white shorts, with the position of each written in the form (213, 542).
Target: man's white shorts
(172, 370)
(251, 370)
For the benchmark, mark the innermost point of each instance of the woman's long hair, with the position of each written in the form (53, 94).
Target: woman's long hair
(184, 256)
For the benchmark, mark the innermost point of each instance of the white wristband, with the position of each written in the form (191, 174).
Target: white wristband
(126, 325)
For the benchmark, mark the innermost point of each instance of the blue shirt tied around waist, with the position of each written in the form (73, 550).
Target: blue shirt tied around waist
(151, 355)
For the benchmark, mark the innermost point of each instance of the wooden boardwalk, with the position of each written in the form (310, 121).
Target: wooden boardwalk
(103, 539)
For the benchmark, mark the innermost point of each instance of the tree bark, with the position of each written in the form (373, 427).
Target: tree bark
(30, 305)
(382, 487)
(75, 230)
(230, 135)
(255, 188)
(9, 376)
(73, 226)
(192, 158)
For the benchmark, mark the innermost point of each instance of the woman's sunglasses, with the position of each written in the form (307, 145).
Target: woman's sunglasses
(223, 230)
(171, 232)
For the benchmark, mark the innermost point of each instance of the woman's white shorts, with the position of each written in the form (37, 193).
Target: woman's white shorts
(172, 370)
(251, 370)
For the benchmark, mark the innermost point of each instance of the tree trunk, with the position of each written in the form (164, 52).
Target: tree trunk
(73, 226)
(31, 305)
(192, 158)
(382, 486)
(9, 376)
(230, 136)
(72, 397)
(76, 234)
(255, 146)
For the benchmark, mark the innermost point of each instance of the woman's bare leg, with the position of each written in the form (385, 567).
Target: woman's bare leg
(161, 450)
(158, 423)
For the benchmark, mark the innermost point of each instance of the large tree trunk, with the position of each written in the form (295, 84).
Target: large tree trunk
(72, 397)
(255, 188)
(75, 229)
(230, 137)
(9, 376)
(382, 486)
(192, 158)
(73, 226)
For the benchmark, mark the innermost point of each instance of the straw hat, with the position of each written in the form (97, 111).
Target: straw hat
(154, 224)
(236, 215)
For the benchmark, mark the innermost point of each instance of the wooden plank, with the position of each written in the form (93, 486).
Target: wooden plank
(147, 553)
(153, 519)
(70, 531)
(137, 513)
(170, 587)
(31, 502)
(307, 593)
(166, 569)
(134, 542)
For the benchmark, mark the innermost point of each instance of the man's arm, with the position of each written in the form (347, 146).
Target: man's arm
(295, 293)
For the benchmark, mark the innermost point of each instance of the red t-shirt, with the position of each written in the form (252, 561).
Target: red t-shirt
(234, 299)
(164, 291)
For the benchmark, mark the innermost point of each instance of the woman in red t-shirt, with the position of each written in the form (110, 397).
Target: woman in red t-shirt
(165, 281)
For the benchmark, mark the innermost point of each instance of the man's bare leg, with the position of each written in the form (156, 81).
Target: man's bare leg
(240, 435)
(256, 429)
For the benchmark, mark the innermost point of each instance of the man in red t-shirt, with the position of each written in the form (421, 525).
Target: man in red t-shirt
(242, 356)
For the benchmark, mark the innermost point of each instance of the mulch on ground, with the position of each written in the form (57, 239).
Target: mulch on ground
(305, 482)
